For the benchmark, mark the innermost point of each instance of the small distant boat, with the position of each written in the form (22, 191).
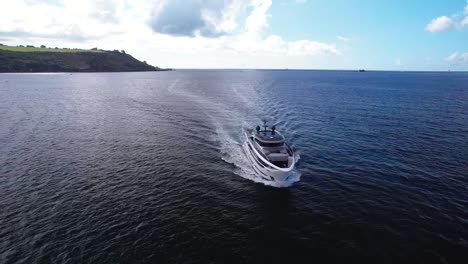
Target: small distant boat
(362, 70)
(271, 157)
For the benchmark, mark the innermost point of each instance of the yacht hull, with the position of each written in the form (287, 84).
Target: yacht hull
(264, 168)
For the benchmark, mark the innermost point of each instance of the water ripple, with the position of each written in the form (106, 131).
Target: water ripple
(147, 167)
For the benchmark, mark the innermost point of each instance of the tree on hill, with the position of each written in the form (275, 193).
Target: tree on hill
(123, 52)
(43, 46)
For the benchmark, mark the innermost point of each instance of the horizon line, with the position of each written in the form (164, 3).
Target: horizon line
(305, 69)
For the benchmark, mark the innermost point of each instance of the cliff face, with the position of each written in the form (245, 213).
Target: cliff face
(83, 61)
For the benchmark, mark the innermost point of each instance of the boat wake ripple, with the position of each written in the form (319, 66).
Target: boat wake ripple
(230, 116)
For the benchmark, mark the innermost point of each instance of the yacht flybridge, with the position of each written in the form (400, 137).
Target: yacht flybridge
(271, 157)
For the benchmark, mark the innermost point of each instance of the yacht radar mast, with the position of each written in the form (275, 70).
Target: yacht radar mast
(265, 126)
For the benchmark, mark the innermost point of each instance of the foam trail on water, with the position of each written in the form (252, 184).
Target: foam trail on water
(171, 87)
(230, 120)
(232, 152)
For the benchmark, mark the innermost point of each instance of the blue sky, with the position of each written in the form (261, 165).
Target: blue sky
(310, 34)
(388, 25)
(379, 33)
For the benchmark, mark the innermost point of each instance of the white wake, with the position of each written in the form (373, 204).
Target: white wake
(230, 120)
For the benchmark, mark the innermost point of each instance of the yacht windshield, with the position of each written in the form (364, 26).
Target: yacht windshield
(270, 145)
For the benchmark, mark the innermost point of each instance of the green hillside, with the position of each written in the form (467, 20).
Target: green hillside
(32, 59)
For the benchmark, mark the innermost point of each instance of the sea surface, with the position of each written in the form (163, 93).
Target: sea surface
(148, 167)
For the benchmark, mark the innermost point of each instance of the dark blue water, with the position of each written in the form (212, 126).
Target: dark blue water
(147, 167)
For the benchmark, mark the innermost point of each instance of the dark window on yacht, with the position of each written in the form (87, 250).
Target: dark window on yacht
(281, 164)
(272, 144)
(269, 144)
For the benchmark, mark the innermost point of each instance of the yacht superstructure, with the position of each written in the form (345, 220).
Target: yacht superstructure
(269, 153)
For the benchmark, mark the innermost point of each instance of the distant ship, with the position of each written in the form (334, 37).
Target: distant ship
(271, 157)
(362, 70)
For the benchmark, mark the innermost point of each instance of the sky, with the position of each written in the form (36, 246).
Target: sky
(417, 35)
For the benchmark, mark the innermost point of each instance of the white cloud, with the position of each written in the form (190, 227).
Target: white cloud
(458, 58)
(307, 47)
(344, 39)
(440, 24)
(257, 21)
(251, 40)
(464, 22)
(227, 35)
(86, 19)
(202, 17)
(444, 23)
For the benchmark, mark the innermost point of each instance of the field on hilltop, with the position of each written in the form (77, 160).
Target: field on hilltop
(44, 59)
(42, 49)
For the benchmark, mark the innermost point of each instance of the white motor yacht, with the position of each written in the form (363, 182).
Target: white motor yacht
(271, 157)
